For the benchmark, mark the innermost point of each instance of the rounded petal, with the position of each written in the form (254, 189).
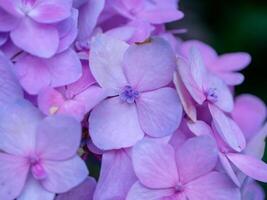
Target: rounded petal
(199, 128)
(64, 175)
(231, 62)
(84, 191)
(154, 164)
(11, 7)
(73, 108)
(7, 21)
(13, 174)
(18, 122)
(196, 157)
(249, 113)
(160, 112)
(114, 125)
(10, 88)
(212, 186)
(250, 166)
(228, 129)
(34, 190)
(253, 191)
(116, 175)
(51, 11)
(106, 55)
(28, 35)
(58, 137)
(149, 65)
(64, 68)
(140, 192)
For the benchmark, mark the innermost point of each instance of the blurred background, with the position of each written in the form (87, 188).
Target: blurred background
(239, 25)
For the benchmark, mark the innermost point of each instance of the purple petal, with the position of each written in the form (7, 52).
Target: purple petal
(253, 191)
(212, 186)
(159, 111)
(12, 7)
(116, 176)
(7, 21)
(105, 58)
(16, 119)
(113, 125)
(155, 161)
(249, 113)
(34, 190)
(84, 191)
(149, 66)
(58, 137)
(196, 157)
(228, 129)
(29, 34)
(13, 174)
(250, 166)
(64, 175)
(51, 11)
(140, 192)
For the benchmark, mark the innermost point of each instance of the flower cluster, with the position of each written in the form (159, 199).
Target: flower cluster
(104, 79)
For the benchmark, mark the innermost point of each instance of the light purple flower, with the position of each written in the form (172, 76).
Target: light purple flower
(182, 173)
(32, 23)
(225, 66)
(38, 156)
(139, 102)
(36, 73)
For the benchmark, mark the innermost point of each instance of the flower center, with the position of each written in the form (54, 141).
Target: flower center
(128, 94)
(179, 188)
(37, 168)
(212, 95)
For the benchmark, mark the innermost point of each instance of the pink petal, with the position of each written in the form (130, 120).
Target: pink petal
(13, 174)
(51, 11)
(50, 99)
(194, 90)
(140, 192)
(116, 176)
(73, 108)
(64, 175)
(199, 128)
(226, 164)
(124, 33)
(88, 15)
(11, 7)
(33, 190)
(155, 161)
(91, 97)
(231, 62)
(159, 111)
(105, 58)
(212, 186)
(84, 191)
(18, 122)
(10, 88)
(27, 68)
(64, 68)
(196, 157)
(249, 165)
(29, 34)
(185, 98)
(114, 125)
(161, 15)
(149, 66)
(224, 98)
(7, 21)
(249, 113)
(208, 54)
(58, 137)
(231, 78)
(228, 129)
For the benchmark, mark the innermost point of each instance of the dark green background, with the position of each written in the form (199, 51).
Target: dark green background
(237, 25)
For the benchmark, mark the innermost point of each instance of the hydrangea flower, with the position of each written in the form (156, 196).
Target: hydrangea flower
(38, 155)
(32, 22)
(184, 173)
(140, 102)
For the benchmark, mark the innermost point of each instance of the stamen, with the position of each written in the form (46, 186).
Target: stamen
(37, 168)
(211, 95)
(128, 94)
